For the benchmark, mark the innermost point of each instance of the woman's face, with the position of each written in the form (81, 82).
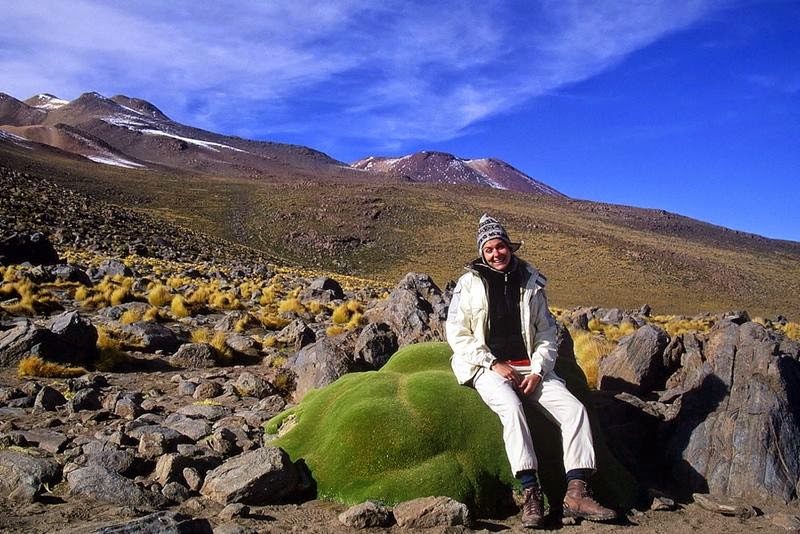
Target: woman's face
(497, 254)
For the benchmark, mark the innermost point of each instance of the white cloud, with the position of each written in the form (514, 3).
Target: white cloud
(392, 71)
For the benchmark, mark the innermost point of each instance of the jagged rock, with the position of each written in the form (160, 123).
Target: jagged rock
(296, 334)
(320, 364)
(271, 405)
(152, 445)
(242, 344)
(429, 512)
(193, 478)
(46, 439)
(25, 475)
(228, 323)
(365, 515)
(250, 385)
(194, 429)
(375, 345)
(116, 312)
(175, 492)
(118, 461)
(85, 399)
(71, 273)
(223, 441)
(736, 316)
(109, 268)
(262, 476)
(415, 310)
(20, 341)
(233, 511)
(636, 364)
(73, 339)
(207, 390)
(724, 505)
(323, 289)
(205, 411)
(169, 437)
(611, 316)
(101, 484)
(788, 522)
(150, 337)
(194, 356)
(34, 248)
(737, 430)
(48, 399)
(160, 523)
(128, 407)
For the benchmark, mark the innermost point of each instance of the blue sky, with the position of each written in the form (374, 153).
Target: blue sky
(692, 106)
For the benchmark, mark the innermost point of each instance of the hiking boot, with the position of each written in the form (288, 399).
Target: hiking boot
(532, 507)
(578, 502)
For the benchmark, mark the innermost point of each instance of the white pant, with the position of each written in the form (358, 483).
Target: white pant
(556, 402)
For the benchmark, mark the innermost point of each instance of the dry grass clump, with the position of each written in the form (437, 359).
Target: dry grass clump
(131, 316)
(37, 367)
(109, 292)
(222, 300)
(790, 330)
(109, 348)
(222, 352)
(315, 307)
(676, 326)
(291, 305)
(334, 330)
(269, 294)
(271, 321)
(152, 314)
(179, 308)
(159, 295)
(32, 300)
(589, 350)
(611, 332)
(199, 296)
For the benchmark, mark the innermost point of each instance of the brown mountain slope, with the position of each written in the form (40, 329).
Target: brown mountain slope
(593, 254)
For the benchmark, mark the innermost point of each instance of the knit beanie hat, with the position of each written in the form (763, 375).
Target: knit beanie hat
(490, 228)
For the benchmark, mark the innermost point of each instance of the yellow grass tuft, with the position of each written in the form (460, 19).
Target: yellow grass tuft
(791, 330)
(223, 352)
(273, 322)
(201, 335)
(291, 304)
(179, 308)
(589, 350)
(151, 314)
(199, 296)
(355, 321)
(341, 314)
(316, 307)
(35, 366)
(130, 316)
(224, 301)
(334, 330)
(159, 295)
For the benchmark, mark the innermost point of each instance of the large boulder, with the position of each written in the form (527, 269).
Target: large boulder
(22, 476)
(636, 365)
(416, 310)
(150, 337)
(102, 484)
(74, 338)
(320, 364)
(20, 341)
(34, 248)
(738, 430)
(255, 477)
(410, 430)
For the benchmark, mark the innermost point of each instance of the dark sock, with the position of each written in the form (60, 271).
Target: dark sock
(579, 474)
(528, 478)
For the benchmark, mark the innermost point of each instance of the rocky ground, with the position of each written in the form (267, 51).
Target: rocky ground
(138, 363)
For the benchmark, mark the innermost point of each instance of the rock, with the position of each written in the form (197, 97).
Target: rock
(737, 317)
(119, 461)
(375, 345)
(242, 344)
(47, 440)
(429, 512)
(233, 511)
(101, 484)
(116, 312)
(128, 407)
(207, 390)
(175, 492)
(152, 445)
(415, 310)
(296, 335)
(71, 273)
(724, 505)
(250, 385)
(85, 399)
(738, 427)
(74, 337)
(611, 316)
(262, 476)
(194, 429)
(169, 467)
(663, 504)
(212, 412)
(21, 470)
(223, 441)
(48, 399)
(320, 364)
(193, 478)
(636, 365)
(228, 323)
(323, 289)
(365, 515)
(19, 341)
(110, 268)
(194, 356)
(271, 405)
(186, 388)
(160, 523)
(34, 248)
(150, 337)
(788, 522)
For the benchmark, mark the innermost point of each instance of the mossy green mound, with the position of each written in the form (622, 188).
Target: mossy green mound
(409, 430)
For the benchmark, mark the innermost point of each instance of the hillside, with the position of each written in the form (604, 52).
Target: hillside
(594, 254)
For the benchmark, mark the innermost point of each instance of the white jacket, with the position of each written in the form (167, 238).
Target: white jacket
(468, 325)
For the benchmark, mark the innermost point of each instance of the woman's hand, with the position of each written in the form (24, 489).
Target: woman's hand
(530, 383)
(507, 372)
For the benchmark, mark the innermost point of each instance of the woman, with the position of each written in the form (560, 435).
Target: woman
(504, 345)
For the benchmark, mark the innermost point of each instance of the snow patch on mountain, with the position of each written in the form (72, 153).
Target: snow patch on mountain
(116, 161)
(204, 144)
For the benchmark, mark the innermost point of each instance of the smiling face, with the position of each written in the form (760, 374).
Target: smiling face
(497, 254)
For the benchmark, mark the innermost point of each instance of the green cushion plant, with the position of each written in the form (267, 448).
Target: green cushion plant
(409, 430)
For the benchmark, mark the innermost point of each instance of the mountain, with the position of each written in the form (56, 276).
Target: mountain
(130, 132)
(442, 167)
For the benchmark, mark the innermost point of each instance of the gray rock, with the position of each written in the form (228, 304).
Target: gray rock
(194, 356)
(85, 399)
(323, 289)
(296, 335)
(101, 484)
(724, 505)
(110, 267)
(194, 429)
(429, 512)
(207, 390)
(45, 439)
(34, 248)
(21, 470)
(19, 341)
(74, 338)
(186, 388)
(193, 478)
(211, 412)
(160, 523)
(637, 364)
(270, 406)
(320, 364)
(788, 522)
(228, 323)
(71, 273)
(223, 441)
(415, 310)
(49, 399)
(375, 345)
(128, 407)
(119, 461)
(242, 344)
(233, 511)
(366, 515)
(150, 337)
(250, 385)
(152, 445)
(116, 312)
(175, 492)
(257, 477)
(738, 427)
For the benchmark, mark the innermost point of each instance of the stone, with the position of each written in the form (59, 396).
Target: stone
(788, 522)
(34, 248)
(71, 273)
(18, 342)
(207, 390)
(116, 312)
(323, 289)
(211, 412)
(261, 476)
(110, 268)
(270, 406)
(175, 492)
(233, 511)
(194, 356)
(320, 364)
(296, 335)
(74, 338)
(128, 407)
(242, 344)
(375, 345)
(739, 422)
(366, 515)
(85, 399)
(636, 365)
(193, 478)
(664, 504)
(186, 388)
(45, 439)
(250, 385)
(724, 505)
(194, 429)
(160, 523)
(118, 461)
(429, 512)
(152, 445)
(150, 336)
(415, 310)
(101, 484)
(49, 399)
(21, 470)
(223, 441)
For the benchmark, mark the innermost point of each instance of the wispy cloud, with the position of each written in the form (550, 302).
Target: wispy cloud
(390, 72)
